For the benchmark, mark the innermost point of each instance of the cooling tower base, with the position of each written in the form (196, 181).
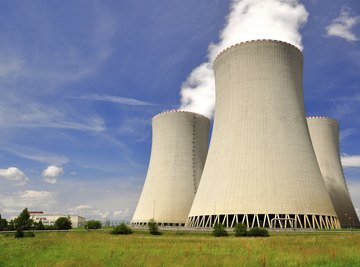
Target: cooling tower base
(267, 221)
(158, 223)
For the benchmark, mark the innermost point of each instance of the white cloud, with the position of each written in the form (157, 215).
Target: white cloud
(15, 175)
(51, 173)
(342, 26)
(36, 155)
(121, 214)
(10, 67)
(31, 199)
(247, 20)
(89, 211)
(116, 99)
(350, 161)
(13, 114)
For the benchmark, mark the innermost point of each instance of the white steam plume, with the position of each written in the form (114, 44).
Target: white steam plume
(247, 20)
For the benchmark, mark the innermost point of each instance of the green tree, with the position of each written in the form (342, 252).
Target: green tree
(11, 226)
(23, 221)
(153, 227)
(93, 224)
(63, 223)
(3, 224)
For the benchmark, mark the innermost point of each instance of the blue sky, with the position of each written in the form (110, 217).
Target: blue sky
(81, 80)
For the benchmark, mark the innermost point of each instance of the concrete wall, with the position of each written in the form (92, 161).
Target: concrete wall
(261, 164)
(178, 153)
(324, 134)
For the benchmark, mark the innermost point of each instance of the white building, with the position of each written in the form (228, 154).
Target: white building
(50, 218)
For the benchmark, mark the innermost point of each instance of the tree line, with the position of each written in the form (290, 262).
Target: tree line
(24, 223)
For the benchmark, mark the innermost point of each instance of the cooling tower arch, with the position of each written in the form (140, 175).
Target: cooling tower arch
(261, 168)
(324, 133)
(178, 154)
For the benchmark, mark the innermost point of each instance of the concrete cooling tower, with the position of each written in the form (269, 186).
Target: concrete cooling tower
(261, 168)
(324, 133)
(178, 154)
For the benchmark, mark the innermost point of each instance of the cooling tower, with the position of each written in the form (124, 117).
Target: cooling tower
(324, 133)
(178, 154)
(261, 168)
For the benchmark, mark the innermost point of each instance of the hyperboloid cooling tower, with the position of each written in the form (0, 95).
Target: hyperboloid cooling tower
(178, 154)
(261, 167)
(324, 133)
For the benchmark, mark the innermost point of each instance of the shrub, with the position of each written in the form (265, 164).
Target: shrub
(39, 226)
(219, 230)
(153, 227)
(63, 223)
(19, 233)
(258, 232)
(92, 224)
(240, 229)
(50, 227)
(121, 229)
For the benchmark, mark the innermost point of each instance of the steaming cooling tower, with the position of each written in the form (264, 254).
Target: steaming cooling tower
(178, 153)
(261, 168)
(324, 133)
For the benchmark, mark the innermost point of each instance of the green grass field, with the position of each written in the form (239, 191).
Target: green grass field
(99, 248)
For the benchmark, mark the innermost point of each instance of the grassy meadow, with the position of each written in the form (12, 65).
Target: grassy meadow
(99, 248)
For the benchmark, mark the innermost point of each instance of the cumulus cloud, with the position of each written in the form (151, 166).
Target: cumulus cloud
(342, 26)
(89, 211)
(247, 20)
(15, 175)
(350, 161)
(32, 199)
(51, 173)
(121, 213)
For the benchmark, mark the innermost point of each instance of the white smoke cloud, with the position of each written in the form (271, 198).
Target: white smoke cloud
(15, 175)
(342, 26)
(51, 173)
(247, 20)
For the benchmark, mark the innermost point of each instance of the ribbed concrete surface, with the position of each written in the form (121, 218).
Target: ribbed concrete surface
(260, 160)
(178, 154)
(324, 134)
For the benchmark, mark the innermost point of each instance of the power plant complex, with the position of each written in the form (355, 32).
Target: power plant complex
(267, 164)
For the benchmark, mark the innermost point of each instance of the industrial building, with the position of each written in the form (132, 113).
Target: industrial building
(324, 133)
(49, 218)
(267, 164)
(261, 168)
(178, 154)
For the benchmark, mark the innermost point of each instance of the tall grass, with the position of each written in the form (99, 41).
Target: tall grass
(99, 248)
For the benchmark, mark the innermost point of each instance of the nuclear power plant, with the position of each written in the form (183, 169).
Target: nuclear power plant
(178, 154)
(324, 133)
(262, 168)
